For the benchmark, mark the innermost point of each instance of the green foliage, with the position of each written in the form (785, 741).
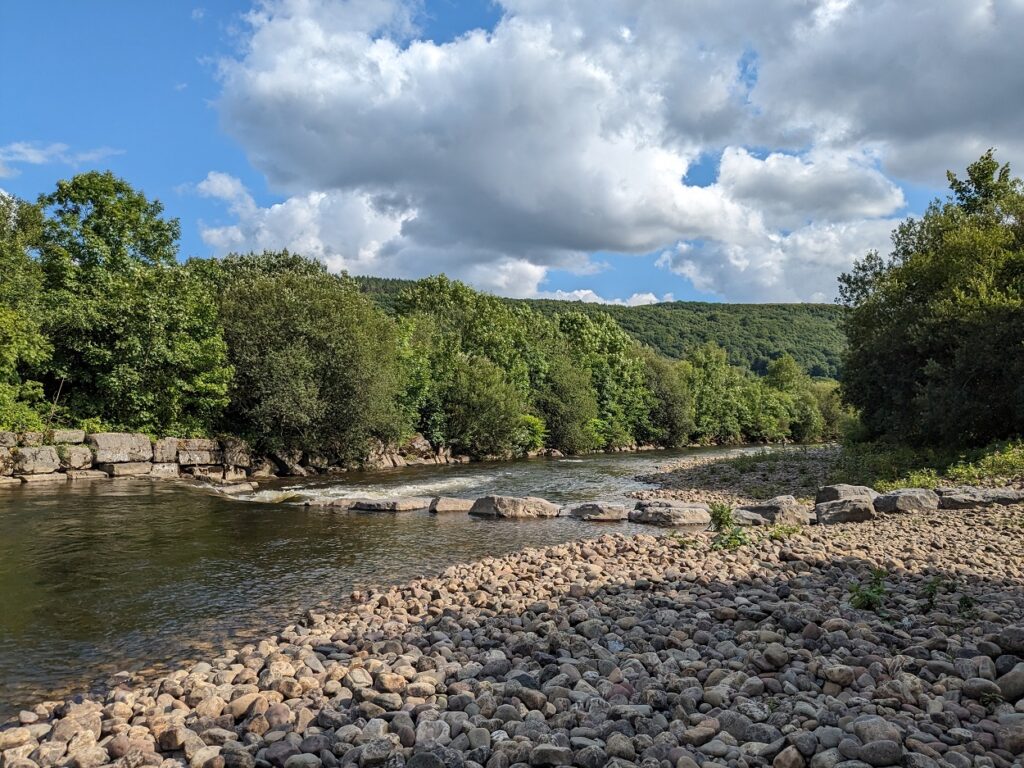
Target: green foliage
(730, 539)
(753, 334)
(568, 404)
(721, 516)
(24, 348)
(315, 364)
(870, 596)
(136, 339)
(936, 331)
(102, 327)
(931, 590)
(781, 532)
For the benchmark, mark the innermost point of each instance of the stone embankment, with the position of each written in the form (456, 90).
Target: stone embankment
(621, 652)
(71, 454)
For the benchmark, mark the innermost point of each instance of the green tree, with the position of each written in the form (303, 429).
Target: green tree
(482, 411)
(568, 404)
(716, 388)
(316, 364)
(936, 330)
(671, 418)
(617, 372)
(24, 348)
(136, 338)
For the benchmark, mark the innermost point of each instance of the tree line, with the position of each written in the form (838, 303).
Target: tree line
(753, 335)
(101, 326)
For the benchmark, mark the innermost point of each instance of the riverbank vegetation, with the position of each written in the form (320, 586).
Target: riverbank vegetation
(104, 327)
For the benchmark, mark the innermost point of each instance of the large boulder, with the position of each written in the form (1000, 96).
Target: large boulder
(290, 463)
(855, 510)
(75, 456)
(969, 497)
(842, 491)
(199, 452)
(450, 504)
(513, 507)
(6, 462)
(907, 500)
(165, 450)
(31, 439)
(120, 447)
(68, 436)
(126, 468)
(8, 439)
(599, 512)
(409, 504)
(670, 513)
(40, 460)
(236, 452)
(418, 450)
(781, 510)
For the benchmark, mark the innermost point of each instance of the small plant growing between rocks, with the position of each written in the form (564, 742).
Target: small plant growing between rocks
(781, 532)
(930, 591)
(730, 539)
(683, 542)
(870, 597)
(721, 517)
(965, 606)
(990, 700)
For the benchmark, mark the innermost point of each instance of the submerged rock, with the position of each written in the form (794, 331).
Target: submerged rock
(599, 512)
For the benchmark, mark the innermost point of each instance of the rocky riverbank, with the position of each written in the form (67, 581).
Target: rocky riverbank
(898, 641)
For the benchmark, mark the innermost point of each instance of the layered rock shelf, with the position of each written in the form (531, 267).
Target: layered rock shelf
(73, 455)
(657, 652)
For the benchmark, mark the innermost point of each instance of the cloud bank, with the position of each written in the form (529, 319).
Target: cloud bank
(571, 128)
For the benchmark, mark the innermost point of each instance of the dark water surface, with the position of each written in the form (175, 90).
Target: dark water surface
(96, 578)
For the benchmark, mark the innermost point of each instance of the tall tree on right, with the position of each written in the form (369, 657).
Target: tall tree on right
(936, 329)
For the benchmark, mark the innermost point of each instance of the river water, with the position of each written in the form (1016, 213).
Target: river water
(129, 575)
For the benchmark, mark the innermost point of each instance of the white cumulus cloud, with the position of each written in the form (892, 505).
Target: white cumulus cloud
(570, 127)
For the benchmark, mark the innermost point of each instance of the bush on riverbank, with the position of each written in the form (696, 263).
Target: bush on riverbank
(103, 327)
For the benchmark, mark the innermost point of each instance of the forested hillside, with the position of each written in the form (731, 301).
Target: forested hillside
(752, 334)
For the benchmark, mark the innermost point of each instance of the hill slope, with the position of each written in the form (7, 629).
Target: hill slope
(753, 334)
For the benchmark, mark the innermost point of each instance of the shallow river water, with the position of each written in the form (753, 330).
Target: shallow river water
(96, 578)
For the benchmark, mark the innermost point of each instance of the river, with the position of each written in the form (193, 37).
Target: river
(130, 575)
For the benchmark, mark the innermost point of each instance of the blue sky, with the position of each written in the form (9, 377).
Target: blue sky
(135, 87)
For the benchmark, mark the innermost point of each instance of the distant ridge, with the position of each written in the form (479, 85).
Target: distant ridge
(752, 334)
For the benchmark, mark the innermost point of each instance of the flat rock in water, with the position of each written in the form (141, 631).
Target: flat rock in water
(670, 513)
(598, 512)
(907, 500)
(513, 507)
(87, 474)
(855, 510)
(127, 469)
(450, 504)
(54, 477)
(391, 505)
